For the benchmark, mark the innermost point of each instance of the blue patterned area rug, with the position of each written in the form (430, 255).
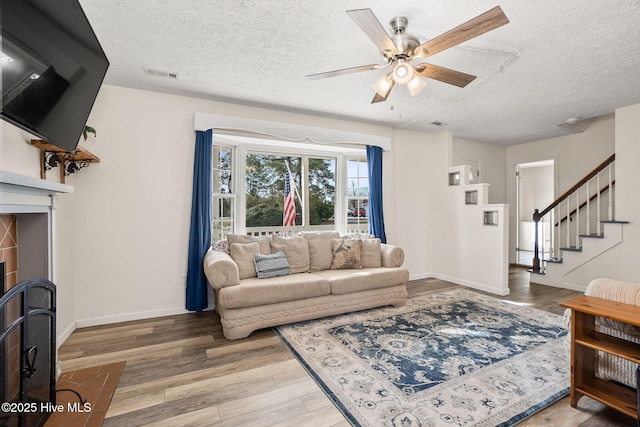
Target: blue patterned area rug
(453, 358)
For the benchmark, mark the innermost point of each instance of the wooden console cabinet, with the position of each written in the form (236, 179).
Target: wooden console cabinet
(585, 341)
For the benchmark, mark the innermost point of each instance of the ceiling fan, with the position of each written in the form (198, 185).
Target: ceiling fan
(401, 48)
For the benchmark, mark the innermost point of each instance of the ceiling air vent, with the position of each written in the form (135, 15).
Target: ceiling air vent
(160, 73)
(439, 124)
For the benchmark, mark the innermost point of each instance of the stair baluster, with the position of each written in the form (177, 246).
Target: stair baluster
(598, 218)
(568, 224)
(610, 207)
(578, 218)
(587, 225)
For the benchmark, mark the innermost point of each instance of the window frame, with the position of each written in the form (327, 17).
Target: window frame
(218, 196)
(362, 227)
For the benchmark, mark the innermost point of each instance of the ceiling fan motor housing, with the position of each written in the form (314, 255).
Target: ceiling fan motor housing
(405, 43)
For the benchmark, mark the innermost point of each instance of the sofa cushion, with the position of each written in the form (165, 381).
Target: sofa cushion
(347, 281)
(264, 241)
(320, 255)
(272, 265)
(254, 292)
(242, 255)
(347, 254)
(296, 248)
(371, 253)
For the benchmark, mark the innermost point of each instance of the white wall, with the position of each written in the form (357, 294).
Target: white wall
(465, 251)
(492, 159)
(415, 157)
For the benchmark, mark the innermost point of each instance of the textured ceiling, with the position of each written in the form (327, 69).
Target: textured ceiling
(555, 59)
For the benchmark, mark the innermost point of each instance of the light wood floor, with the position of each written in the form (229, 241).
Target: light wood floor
(181, 371)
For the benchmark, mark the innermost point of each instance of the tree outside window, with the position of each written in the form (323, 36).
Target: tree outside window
(313, 178)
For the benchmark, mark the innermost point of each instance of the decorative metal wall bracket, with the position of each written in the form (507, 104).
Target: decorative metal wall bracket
(69, 162)
(51, 160)
(74, 166)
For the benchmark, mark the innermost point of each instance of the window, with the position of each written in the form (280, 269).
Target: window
(223, 198)
(313, 184)
(248, 180)
(322, 190)
(357, 195)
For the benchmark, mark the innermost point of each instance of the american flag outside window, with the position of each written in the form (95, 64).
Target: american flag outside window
(289, 213)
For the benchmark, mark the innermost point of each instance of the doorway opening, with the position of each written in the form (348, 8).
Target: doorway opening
(534, 190)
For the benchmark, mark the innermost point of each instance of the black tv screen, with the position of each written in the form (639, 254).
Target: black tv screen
(52, 67)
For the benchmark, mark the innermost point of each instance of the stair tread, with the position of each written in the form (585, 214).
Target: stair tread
(554, 260)
(595, 236)
(571, 249)
(536, 272)
(613, 221)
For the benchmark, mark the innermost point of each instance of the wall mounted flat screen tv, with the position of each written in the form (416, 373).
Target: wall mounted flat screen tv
(52, 67)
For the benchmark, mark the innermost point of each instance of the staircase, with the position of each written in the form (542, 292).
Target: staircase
(583, 226)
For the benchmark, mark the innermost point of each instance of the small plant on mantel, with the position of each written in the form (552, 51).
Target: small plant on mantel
(86, 131)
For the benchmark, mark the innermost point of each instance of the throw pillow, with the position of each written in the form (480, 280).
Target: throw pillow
(272, 265)
(221, 245)
(320, 255)
(371, 253)
(242, 255)
(347, 254)
(264, 241)
(296, 249)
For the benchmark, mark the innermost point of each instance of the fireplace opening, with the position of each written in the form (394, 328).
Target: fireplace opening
(27, 350)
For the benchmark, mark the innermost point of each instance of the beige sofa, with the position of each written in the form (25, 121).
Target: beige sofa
(323, 281)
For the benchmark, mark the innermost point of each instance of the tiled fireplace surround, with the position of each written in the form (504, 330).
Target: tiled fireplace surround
(27, 208)
(9, 250)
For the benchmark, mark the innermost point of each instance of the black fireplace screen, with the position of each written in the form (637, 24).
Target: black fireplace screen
(27, 349)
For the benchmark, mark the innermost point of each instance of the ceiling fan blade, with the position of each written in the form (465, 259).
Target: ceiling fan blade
(368, 23)
(481, 24)
(379, 98)
(343, 71)
(442, 74)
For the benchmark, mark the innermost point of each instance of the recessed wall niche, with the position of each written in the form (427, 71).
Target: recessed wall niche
(471, 197)
(490, 217)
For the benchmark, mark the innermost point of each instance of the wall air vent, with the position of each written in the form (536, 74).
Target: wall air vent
(161, 73)
(439, 124)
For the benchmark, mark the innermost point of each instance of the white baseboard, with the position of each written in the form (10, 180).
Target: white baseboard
(125, 317)
(60, 339)
(420, 276)
(574, 287)
(471, 284)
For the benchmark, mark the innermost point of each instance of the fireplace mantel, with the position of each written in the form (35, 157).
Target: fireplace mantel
(33, 201)
(25, 194)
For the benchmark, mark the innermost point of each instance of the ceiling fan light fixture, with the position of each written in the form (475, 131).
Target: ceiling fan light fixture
(383, 85)
(415, 85)
(403, 73)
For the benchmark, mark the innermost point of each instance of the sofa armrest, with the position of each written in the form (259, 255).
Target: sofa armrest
(220, 269)
(392, 256)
